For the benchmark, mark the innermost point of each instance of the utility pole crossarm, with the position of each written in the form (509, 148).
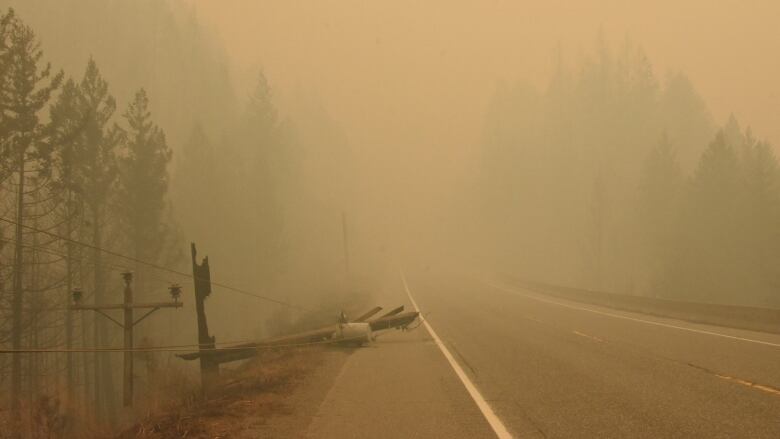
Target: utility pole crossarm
(129, 323)
(110, 318)
(123, 306)
(148, 313)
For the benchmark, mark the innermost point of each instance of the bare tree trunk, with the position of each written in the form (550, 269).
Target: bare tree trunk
(16, 306)
(34, 309)
(68, 289)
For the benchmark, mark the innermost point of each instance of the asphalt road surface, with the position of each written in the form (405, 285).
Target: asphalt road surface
(554, 368)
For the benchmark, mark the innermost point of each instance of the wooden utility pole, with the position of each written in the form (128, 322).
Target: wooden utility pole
(129, 323)
(209, 369)
(127, 388)
(345, 238)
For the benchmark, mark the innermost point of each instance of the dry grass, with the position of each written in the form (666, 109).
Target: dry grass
(48, 417)
(248, 394)
(169, 404)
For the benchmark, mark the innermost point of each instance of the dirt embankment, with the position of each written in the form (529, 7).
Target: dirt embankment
(273, 395)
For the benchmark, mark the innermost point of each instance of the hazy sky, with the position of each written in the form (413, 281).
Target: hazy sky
(417, 74)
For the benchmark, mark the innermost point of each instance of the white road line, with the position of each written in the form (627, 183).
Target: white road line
(495, 423)
(618, 316)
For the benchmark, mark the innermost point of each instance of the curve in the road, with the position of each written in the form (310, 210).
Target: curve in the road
(618, 316)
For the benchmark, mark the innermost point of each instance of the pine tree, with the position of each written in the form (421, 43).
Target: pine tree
(262, 177)
(729, 241)
(685, 117)
(261, 111)
(761, 214)
(7, 21)
(710, 266)
(717, 179)
(144, 185)
(27, 88)
(661, 187)
(94, 158)
(65, 126)
(199, 177)
(732, 134)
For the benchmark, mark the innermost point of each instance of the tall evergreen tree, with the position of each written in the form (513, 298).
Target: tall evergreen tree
(711, 224)
(661, 188)
(94, 158)
(761, 216)
(262, 177)
(728, 239)
(144, 185)
(685, 117)
(717, 178)
(7, 21)
(198, 178)
(65, 126)
(26, 91)
(554, 158)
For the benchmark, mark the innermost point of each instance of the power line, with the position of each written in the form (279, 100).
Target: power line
(181, 348)
(153, 265)
(81, 259)
(188, 347)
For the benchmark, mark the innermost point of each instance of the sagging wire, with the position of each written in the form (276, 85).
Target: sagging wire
(156, 266)
(179, 348)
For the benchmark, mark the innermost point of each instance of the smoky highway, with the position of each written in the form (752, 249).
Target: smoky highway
(548, 367)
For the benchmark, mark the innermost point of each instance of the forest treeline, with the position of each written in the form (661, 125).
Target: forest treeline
(78, 175)
(164, 47)
(611, 178)
(85, 177)
(134, 142)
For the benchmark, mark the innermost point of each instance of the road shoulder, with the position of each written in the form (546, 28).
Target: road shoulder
(400, 386)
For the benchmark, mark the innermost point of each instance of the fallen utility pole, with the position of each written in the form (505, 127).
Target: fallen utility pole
(395, 319)
(129, 323)
(392, 312)
(370, 313)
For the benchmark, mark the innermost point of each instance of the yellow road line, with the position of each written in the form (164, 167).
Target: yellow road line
(761, 387)
(592, 337)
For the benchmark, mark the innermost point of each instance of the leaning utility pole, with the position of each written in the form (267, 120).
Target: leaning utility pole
(209, 369)
(128, 306)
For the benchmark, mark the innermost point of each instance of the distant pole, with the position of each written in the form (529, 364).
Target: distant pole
(345, 241)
